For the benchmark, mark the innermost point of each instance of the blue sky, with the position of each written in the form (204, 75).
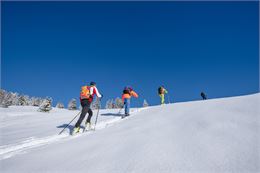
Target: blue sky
(53, 48)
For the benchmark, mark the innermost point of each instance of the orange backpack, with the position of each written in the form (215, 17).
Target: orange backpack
(85, 92)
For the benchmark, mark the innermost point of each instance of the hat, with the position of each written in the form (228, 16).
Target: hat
(92, 83)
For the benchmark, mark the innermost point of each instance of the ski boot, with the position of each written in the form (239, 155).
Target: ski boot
(75, 130)
(87, 126)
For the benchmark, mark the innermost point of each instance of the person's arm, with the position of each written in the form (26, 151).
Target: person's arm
(134, 94)
(97, 92)
(165, 91)
(93, 90)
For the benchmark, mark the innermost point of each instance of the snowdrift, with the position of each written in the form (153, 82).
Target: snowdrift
(218, 135)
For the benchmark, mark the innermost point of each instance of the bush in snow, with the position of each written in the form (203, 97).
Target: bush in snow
(60, 105)
(72, 104)
(46, 105)
(145, 104)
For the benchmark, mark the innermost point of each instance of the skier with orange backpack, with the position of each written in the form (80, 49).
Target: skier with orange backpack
(86, 97)
(128, 92)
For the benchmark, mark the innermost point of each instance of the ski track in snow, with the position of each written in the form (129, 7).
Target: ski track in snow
(8, 151)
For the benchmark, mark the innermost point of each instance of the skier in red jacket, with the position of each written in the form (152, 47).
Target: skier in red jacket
(86, 97)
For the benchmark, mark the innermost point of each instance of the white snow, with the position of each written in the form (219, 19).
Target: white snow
(218, 135)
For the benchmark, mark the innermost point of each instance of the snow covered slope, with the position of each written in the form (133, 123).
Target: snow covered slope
(218, 135)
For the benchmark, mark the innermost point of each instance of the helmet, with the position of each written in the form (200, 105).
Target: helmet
(92, 83)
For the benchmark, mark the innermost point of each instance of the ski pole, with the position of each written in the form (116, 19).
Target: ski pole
(69, 123)
(120, 110)
(169, 99)
(97, 115)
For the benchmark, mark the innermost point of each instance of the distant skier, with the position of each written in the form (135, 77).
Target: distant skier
(161, 92)
(128, 92)
(203, 95)
(86, 97)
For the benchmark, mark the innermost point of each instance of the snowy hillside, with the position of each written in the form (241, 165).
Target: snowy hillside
(218, 135)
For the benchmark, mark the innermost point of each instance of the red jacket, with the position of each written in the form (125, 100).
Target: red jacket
(92, 91)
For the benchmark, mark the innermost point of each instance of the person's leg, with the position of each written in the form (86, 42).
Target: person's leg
(90, 113)
(85, 108)
(127, 107)
(162, 98)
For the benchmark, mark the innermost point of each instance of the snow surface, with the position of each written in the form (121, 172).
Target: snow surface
(218, 135)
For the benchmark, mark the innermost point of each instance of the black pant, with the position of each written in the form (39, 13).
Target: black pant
(85, 109)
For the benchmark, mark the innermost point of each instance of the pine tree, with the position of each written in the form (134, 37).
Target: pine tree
(6, 99)
(109, 104)
(36, 101)
(24, 100)
(119, 103)
(46, 105)
(72, 104)
(15, 99)
(2, 96)
(60, 105)
(11, 98)
(96, 104)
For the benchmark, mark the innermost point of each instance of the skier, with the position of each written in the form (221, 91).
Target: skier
(86, 98)
(128, 92)
(162, 91)
(203, 95)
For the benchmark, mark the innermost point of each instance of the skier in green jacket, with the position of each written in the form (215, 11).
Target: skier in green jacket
(162, 91)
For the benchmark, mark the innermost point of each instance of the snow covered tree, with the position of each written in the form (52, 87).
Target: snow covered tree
(96, 104)
(24, 100)
(60, 105)
(46, 105)
(145, 104)
(28, 100)
(119, 103)
(2, 96)
(72, 104)
(15, 99)
(11, 98)
(6, 99)
(109, 104)
(36, 101)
